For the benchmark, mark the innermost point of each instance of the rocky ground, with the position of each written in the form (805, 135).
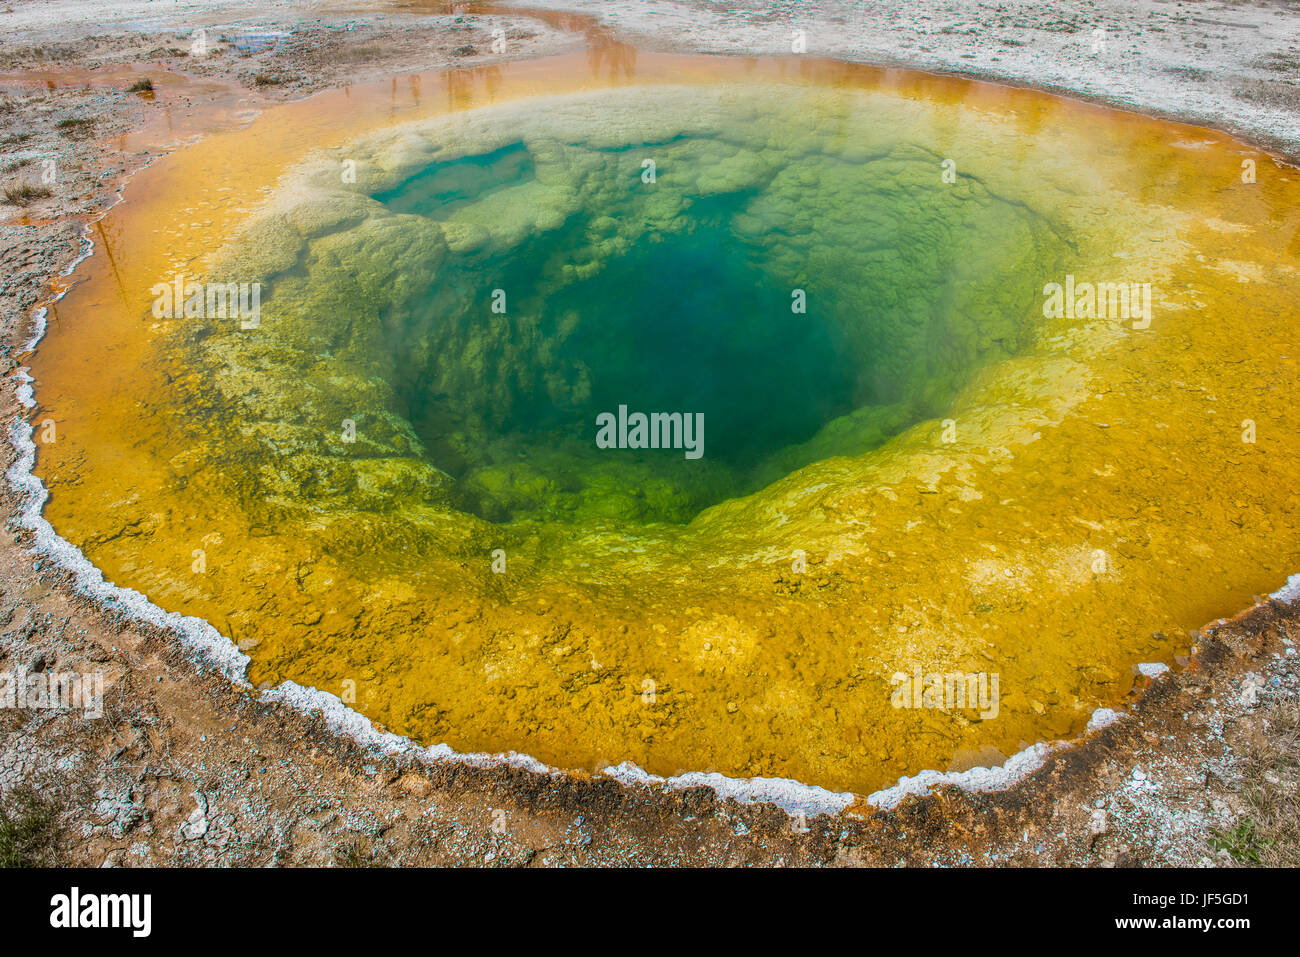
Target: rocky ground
(185, 768)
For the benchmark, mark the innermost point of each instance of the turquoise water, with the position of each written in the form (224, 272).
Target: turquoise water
(681, 323)
(698, 319)
(800, 297)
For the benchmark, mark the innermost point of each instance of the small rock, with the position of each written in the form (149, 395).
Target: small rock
(196, 825)
(1249, 693)
(1099, 823)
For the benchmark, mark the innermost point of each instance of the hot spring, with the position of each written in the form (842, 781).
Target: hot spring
(705, 414)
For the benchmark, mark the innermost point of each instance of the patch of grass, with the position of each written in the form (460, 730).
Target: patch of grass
(57, 51)
(23, 193)
(15, 139)
(1243, 842)
(1268, 833)
(142, 85)
(77, 128)
(1278, 93)
(1282, 63)
(29, 828)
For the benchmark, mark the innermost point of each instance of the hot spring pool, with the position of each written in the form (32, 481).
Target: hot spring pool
(725, 416)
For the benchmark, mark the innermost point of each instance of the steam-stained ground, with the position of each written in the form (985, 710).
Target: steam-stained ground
(182, 768)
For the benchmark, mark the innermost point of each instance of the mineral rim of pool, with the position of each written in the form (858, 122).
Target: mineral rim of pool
(995, 395)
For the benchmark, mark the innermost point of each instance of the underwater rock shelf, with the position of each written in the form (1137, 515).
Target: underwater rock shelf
(938, 378)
